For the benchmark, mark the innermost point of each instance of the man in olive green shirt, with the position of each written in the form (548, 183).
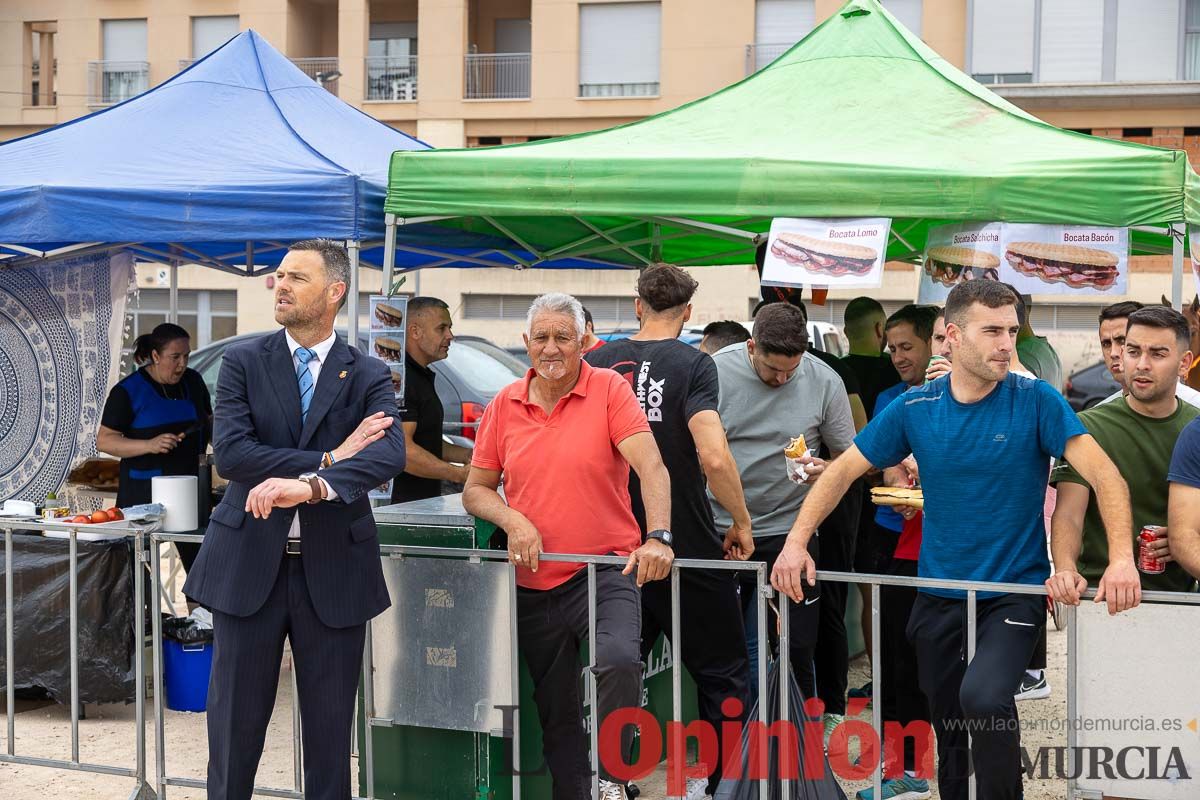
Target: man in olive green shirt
(1138, 433)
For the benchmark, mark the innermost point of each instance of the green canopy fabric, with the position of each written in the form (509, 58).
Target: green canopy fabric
(859, 119)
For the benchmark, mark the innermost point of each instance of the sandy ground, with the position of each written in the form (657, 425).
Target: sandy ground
(107, 737)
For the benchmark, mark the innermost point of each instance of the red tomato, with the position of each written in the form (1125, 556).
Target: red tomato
(80, 519)
(115, 514)
(99, 516)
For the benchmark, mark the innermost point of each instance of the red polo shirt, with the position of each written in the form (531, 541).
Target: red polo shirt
(563, 471)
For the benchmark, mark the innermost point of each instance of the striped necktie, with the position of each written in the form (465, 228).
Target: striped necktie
(305, 379)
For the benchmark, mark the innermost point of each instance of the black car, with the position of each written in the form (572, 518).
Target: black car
(468, 378)
(1088, 386)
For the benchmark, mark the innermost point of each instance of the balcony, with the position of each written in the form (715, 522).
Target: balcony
(497, 76)
(762, 53)
(112, 82)
(324, 70)
(392, 79)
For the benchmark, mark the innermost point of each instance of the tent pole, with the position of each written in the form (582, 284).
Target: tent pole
(389, 252)
(173, 316)
(352, 300)
(1177, 266)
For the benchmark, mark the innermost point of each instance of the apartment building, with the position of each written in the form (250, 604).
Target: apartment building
(485, 72)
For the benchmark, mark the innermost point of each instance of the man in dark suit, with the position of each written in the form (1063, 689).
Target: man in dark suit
(304, 427)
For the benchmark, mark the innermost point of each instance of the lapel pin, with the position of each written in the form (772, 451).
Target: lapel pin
(342, 375)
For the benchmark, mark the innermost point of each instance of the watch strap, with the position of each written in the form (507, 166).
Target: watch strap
(662, 535)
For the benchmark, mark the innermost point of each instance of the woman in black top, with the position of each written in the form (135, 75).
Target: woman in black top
(158, 420)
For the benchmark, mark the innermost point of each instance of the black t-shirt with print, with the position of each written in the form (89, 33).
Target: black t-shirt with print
(673, 382)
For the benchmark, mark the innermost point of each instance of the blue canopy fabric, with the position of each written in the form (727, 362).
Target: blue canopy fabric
(223, 164)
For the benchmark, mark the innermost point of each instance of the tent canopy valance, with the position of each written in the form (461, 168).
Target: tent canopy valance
(859, 119)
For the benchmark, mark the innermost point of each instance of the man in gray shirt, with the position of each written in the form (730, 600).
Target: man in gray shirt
(772, 391)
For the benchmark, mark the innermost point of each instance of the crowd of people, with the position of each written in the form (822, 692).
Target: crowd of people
(649, 449)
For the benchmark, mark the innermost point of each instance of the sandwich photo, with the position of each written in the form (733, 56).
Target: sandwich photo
(796, 448)
(950, 265)
(823, 257)
(1075, 266)
(897, 496)
(389, 316)
(389, 349)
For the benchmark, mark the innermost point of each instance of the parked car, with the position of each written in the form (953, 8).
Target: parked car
(1088, 386)
(821, 336)
(469, 377)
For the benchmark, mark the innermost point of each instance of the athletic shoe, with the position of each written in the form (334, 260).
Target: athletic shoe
(905, 788)
(861, 693)
(1032, 688)
(697, 789)
(611, 791)
(831, 722)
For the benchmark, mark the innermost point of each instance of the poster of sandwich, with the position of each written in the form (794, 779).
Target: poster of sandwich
(387, 335)
(837, 253)
(1066, 259)
(957, 253)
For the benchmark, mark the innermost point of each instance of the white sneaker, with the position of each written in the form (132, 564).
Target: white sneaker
(611, 791)
(697, 789)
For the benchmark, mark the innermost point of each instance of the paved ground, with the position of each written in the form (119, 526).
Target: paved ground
(106, 736)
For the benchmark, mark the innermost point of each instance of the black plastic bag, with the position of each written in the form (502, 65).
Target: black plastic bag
(804, 786)
(186, 630)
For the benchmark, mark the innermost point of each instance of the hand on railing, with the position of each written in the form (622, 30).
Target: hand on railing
(1120, 586)
(793, 566)
(653, 560)
(1066, 587)
(739, 543)
(524, 542)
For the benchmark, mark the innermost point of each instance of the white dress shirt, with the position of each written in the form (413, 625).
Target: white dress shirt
(314, 366)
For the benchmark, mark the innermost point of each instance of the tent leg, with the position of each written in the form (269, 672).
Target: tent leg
(352, 300)
(173, 314)
(389, 251)
(1177, 266)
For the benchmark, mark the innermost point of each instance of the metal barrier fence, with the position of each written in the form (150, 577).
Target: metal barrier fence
(151, 557)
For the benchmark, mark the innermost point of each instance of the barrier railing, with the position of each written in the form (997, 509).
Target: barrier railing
(150, 556)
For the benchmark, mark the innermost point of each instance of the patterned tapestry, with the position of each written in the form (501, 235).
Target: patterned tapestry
(61, 324)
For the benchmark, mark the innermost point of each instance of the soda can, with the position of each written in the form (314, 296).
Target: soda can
(1147, 563)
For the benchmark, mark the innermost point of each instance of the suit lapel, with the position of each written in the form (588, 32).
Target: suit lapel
(282, 373)
(334, 374)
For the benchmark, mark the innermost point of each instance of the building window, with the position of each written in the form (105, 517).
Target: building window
(778, 25)
(124, 71)
(1191, 41)
(619, 49)
(1002, 35)
(42, 63)
(907, 12)
(392, 62)
(208, 315)
(209, 33)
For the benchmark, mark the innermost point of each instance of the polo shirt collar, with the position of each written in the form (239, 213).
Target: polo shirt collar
(411, 363)
(580, 388)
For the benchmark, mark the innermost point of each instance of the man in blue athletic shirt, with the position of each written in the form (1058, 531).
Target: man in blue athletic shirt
(980, 525)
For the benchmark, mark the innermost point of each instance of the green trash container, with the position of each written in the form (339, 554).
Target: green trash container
(418, 763)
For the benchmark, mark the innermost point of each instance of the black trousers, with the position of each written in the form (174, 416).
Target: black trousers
(979, 695)
(832, 657)
(803, 617)
(551, 626)
(903, 702)
(245, 676)
(712, 643)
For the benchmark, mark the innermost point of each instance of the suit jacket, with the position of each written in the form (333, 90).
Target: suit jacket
(257, 435)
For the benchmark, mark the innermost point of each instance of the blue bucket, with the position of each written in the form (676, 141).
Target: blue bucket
(186, 668)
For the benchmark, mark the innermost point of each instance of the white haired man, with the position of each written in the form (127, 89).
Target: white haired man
(563, 438)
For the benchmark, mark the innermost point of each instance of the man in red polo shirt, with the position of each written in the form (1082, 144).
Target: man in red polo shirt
(563, 438)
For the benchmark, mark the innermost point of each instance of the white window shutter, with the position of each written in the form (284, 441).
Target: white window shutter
(209, 33)
(620, 44)
(124, 39)
(1147, 33)
(1002, 37)
(783, 21)
(908, 12)
(1072, 41)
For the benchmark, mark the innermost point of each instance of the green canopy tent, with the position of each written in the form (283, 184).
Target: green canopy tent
(859, 119)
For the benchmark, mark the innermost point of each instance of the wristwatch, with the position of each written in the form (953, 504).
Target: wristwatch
(663, 536)
(318, 488)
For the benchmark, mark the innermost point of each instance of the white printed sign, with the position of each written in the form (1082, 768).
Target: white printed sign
(838, 253)
(958, 253)
(387, 337)
(1066, 259)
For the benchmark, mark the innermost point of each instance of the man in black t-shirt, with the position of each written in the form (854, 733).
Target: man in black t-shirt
(429, 458)
(864, 324)
(677, 388)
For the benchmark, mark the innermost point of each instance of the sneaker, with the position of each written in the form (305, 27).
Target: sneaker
(611, 791)
(831, 722)
(861, 693)
(905, 788)
(1032, 688)
(697, 789)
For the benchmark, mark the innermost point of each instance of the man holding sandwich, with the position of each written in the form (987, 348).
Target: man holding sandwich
(976, 528)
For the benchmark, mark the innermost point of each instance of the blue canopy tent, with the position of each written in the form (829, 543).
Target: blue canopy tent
(223, 165)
